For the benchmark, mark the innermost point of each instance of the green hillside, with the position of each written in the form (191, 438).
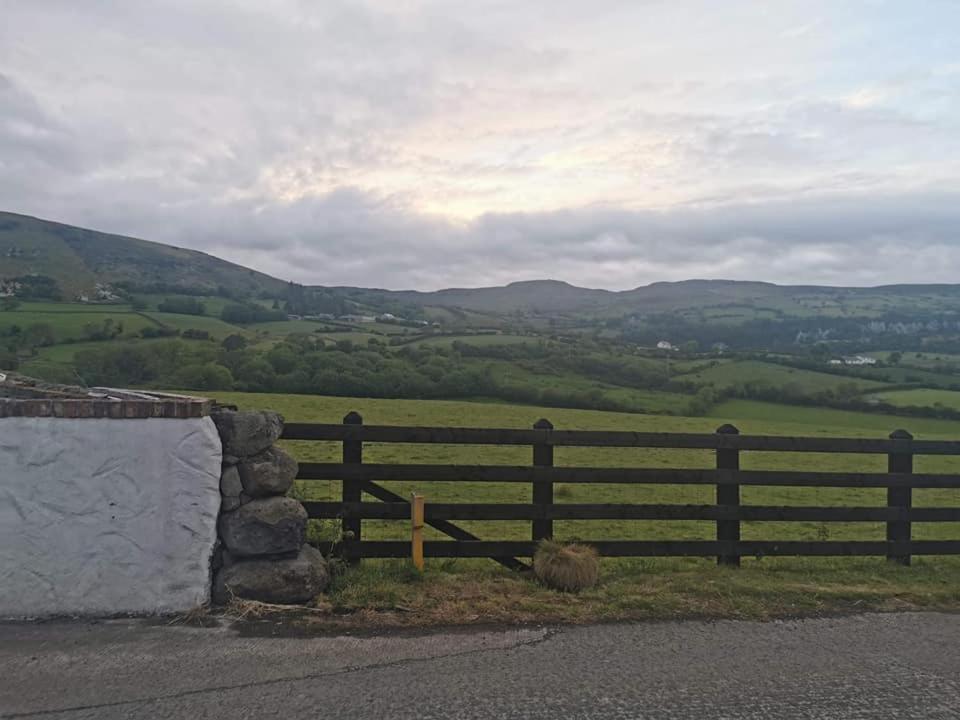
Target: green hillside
(78, 259)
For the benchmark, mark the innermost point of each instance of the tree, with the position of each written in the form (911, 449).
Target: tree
(234, 342)
(182, 306)
(895, 358)
(37, 335)
(206, 376)
(8, 304)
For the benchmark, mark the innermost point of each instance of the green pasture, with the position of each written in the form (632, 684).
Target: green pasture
(479, 340)
(921, 397)
(213, 305)
(72, 324)
(732, 373)
(217, 328)
(748, 417)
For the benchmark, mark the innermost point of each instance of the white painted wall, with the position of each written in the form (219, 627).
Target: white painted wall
(100, 516)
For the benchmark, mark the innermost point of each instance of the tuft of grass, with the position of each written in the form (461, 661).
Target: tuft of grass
(569, 568)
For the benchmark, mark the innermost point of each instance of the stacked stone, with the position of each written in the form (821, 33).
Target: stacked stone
(262, 555)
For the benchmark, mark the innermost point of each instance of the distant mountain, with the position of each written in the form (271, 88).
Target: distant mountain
(537, 296)
(78, 259)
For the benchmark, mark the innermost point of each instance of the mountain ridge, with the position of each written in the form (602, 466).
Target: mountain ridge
(79, 258)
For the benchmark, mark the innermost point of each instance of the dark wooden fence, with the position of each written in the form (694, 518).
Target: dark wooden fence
(727, 443)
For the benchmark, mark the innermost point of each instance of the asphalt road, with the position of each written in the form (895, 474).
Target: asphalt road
(870, 666)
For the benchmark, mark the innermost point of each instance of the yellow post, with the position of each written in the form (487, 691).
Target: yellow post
(416, 536)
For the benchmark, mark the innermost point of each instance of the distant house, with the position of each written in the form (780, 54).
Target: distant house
(858, 360)
(294, 317)
(836, 361)
(665, 345)
(9, 288)
(105, 293)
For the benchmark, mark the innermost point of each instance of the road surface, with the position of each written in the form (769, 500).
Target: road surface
(869, 666)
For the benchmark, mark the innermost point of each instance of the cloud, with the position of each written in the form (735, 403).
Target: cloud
(429, 144)
(350, 238)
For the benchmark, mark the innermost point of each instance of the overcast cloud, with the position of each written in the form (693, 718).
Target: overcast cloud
(410, 144)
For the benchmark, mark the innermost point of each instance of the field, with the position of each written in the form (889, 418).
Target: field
(631, 588)
(217, 328)
(922, 398)
(213, 305)
(72, 323)
(448, 340)
(732, 373)
(412, 412)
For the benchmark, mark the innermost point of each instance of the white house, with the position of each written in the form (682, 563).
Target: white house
(665, 345)
(859, 360)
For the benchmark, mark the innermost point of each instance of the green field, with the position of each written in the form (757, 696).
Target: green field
(725, 374)
(482, 340)
(285, 327)
(921, 398)
(213, 304)
(754, 418)
(71, 324)
(217, 328)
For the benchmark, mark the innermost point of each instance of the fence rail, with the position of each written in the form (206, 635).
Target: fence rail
(359, 478)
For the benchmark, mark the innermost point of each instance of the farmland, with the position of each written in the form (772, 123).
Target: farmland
(631, 588)
(582, 368)
(777, 420)
(76, 322)
(732, 373)
(922, 398)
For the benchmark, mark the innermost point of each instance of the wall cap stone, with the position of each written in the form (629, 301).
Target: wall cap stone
(21, 396)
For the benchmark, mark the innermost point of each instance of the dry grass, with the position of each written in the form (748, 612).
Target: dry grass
(569, 568)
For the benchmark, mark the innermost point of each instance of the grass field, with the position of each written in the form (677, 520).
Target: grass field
(217, 328)
(731, 373)
(464, 591)
(481, 340)
(286, 327)
(921, 398)
(70, 324)
(638, 400)
(213, 305)
(413, 412)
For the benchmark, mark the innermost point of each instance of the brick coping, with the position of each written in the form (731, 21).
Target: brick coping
(25, 397)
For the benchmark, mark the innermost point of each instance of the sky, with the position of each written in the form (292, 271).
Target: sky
(416, 144)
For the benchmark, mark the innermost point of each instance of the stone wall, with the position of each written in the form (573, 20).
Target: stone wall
(262, 532)
(129, 502)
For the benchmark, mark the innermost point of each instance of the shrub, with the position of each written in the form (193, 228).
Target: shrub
(570, 568)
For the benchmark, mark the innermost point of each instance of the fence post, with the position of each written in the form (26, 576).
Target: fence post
(729, 495)
(542, 491)
(899, 531)
(416, 530)
(352, 493)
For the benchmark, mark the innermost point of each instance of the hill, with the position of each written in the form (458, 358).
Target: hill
(537, 296)
(40, 254)
(78, 259)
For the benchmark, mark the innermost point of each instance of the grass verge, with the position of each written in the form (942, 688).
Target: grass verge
(392, 594)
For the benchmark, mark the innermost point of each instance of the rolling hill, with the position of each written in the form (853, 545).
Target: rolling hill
(78, 259)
